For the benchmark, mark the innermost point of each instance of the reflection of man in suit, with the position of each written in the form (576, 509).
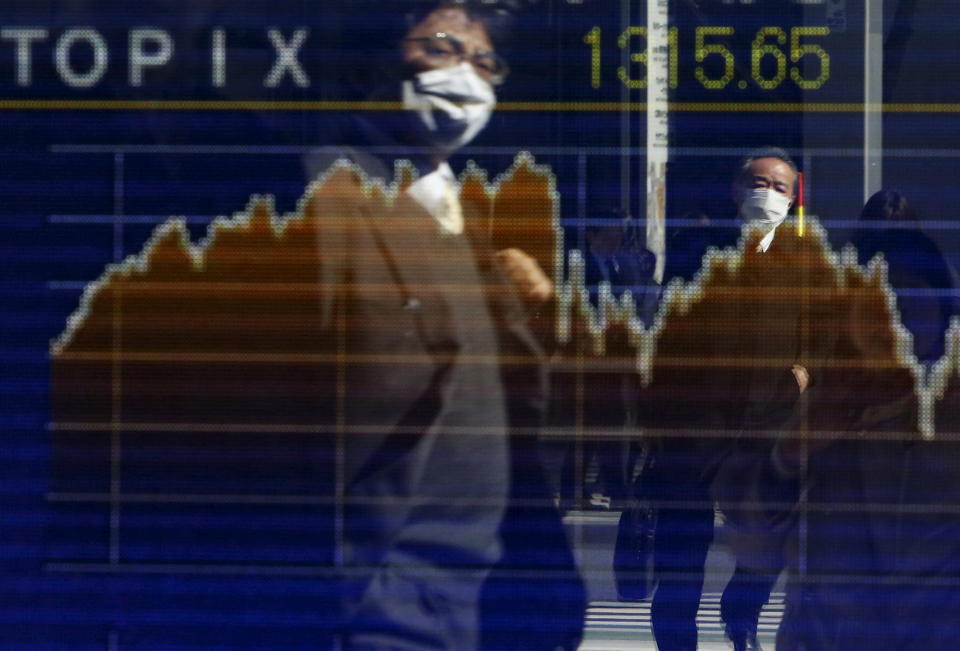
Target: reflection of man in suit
(615, 254)
(604, 405)
(603, 248)
(350, 357)
(422, 405)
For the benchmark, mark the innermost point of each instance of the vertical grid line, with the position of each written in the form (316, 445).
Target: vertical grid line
(579, 451)
(116, 414)
(625, 117)
(340, 426)
(116, 367)
(581, 200)
(118, 207)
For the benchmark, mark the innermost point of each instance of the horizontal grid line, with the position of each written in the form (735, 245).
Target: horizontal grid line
(266, 569)
(579, 518)
(192, 357)
(587, 365)
(516, 106)
(226, 499)
(715, 223)
(98, 219)
(564, 433)
(260, 428)
(561, 150)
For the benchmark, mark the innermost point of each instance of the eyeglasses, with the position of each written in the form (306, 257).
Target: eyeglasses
(444, 50)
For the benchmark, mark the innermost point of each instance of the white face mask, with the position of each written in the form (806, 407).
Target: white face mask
(765, 207)
(451, 105)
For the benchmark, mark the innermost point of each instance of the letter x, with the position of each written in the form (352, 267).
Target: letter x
(287, 59)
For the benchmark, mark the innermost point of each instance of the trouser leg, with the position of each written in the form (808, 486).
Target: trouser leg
(742, 601)
(680, 552)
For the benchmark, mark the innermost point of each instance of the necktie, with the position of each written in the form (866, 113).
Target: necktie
(450, 214)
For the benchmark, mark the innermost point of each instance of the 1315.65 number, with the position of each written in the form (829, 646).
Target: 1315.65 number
(771, 52)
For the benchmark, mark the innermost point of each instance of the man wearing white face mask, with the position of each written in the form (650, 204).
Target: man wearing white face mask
(765, 189)
(686, 462)
(435, 425)
(452, 105)
(447, 101)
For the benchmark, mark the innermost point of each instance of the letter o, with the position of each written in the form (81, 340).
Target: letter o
(62, 57)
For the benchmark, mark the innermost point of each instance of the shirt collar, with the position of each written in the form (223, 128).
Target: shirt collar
(433, 191)
(765, 241)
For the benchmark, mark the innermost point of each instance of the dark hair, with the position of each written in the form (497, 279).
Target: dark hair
(888, 206)
(396, 17)
(497, 15)
(767, 152)
(362, 35)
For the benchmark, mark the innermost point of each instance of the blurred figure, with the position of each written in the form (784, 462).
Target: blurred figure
(634, 266)
(594, 472)
(917, 270)
(865, 505)
(445, 496)
(616, 254)
(603, 407)
(372, 355)
(601, 261)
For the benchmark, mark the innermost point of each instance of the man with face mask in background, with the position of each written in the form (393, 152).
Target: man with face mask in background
(695, 398)
(764, 191)
(436, 431)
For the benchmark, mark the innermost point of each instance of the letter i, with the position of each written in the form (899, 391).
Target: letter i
(218, 55)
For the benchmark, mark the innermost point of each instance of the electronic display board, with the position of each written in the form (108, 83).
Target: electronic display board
(145, 145)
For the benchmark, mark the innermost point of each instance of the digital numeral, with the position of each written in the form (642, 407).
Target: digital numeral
(769, 57)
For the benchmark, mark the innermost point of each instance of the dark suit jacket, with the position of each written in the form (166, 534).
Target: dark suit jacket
(434, 367)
